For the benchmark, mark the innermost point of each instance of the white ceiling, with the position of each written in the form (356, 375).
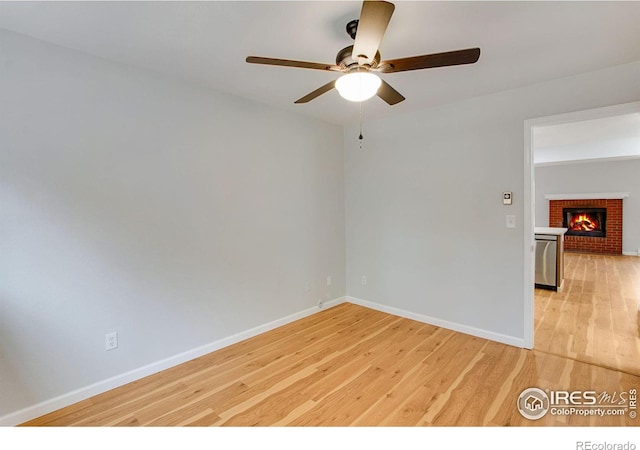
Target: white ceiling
(206, 43)
(616, 137)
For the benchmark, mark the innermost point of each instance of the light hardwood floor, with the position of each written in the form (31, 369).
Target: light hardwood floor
(350, 366)
(595, 318)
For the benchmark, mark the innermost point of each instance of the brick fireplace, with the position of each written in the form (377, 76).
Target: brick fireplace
(610, 243)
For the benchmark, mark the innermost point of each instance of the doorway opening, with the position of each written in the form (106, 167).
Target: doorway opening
(570, 323)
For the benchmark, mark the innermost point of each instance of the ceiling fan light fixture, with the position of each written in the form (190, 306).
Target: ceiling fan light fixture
(358, 86)
(357, 61)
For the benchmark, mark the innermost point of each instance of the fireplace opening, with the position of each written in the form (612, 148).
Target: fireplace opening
(585, 221)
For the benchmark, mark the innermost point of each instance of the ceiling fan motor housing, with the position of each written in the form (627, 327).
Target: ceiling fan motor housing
(345, 60)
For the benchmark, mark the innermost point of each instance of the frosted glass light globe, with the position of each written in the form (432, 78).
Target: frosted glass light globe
(358, 86)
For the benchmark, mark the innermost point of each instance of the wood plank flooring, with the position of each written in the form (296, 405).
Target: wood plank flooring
(595, 318)
(350, 366)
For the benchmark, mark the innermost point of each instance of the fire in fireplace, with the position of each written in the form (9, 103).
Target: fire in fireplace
(585, 221)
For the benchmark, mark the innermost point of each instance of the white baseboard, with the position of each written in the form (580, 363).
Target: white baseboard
(86, 392)
(70, 398)
(631, 253)
(478, 332)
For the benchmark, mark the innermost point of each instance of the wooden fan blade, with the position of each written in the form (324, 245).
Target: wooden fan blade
(317, 93)
(455, 58)
(389, 94)
(374, 18)
(291, 63)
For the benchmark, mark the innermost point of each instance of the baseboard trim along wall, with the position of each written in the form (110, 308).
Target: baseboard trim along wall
(478, 332)
(86, 392)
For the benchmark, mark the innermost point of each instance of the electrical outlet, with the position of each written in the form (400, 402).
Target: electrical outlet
(329, 280)
(111, 341)
(320, 303)
(308, 287)
(364, 280)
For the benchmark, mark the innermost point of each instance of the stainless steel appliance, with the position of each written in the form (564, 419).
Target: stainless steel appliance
(547, 262)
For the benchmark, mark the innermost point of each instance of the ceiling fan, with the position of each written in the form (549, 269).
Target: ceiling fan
(359, 61)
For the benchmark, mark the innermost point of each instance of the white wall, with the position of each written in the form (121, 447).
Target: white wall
(425, 221)
(592, 177)
(130, 202)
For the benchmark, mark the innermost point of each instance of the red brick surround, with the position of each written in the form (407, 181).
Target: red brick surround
(612, 244)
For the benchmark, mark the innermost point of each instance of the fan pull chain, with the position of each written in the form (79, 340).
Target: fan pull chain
(360, 138)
